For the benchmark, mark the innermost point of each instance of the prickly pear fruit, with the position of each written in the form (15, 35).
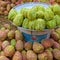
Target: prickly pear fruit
(56, 54)
(37, 47)
(42, 56)
(7, 26)
(49, 54)
(19, 45)
(9, 51)
(24, 55)
(56, 45)
(55, 36)
(18, 35)
(5, 44)
(3, 58)
(2, 53)
(17, 56)
(11, 34)
(13, 42)
(31, 55)
(28, 46)
(3, 35)
(46, 43)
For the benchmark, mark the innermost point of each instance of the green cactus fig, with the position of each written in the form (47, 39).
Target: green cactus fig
(18, 20)
(12, 14)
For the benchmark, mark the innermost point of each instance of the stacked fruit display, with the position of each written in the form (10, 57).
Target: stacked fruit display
(37, 17)
(6, 5)
(13, 46)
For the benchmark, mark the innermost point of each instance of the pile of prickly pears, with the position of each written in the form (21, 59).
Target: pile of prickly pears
(13, 46)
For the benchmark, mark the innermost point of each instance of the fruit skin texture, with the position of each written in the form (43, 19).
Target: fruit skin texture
(40, 24)
(49, 55)
(12, 14)
(55, 36)
(17, 56)
(5, 44)
(13, 42)
(11, 34)
(56, 45)
(2, 53)
(19, 45)
(9, 51)
(42, 56)
(25, 23)
(3, 35)
(51, 24)
(24, 55)
(18, 20)
(37, 47)
(31, 55)
(3, 58)
(7, 26)
(49, 49)
(56, 54)
(0, 45)
(31, 14)
(48, 14)
(58, 31)
(28, 46)
(57, 18)
(18, 35)
(56, 9)
(46, 43)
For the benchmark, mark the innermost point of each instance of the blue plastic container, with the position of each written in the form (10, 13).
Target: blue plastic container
(33, 35)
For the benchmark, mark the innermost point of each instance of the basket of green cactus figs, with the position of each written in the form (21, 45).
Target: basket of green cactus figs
(35, 20)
